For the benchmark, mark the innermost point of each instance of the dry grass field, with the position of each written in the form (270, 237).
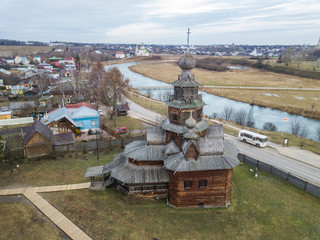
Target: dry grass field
(7, 51)
(305, 103)
(168, 72)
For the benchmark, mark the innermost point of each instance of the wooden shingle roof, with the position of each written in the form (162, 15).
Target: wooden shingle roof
(156, 135)
(39, 127)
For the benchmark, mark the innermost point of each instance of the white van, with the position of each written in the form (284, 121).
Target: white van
(253, 138)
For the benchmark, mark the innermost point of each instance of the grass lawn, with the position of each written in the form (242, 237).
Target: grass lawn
(21, 221)
(63, 170)
(124, 121)
(261, 208)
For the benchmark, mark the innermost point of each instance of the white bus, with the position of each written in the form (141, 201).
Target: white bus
(253, 138)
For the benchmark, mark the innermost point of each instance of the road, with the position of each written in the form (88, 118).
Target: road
(307, 170)
(271, 156)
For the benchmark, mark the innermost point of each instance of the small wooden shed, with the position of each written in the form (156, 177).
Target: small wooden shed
(38, 140)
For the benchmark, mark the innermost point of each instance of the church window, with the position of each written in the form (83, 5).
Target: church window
(172, 137)
(188, 184)
(203, 183)
(198, 114)
(175, 117)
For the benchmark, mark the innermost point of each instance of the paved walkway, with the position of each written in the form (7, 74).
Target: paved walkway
(47, 209)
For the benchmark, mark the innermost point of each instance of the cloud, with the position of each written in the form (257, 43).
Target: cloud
(167, 8)
(141, 32)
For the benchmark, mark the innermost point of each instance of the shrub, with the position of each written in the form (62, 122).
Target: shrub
(269, 126)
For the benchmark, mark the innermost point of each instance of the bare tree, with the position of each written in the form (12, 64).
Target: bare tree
(112, 88)
(249, 119)
(149, 93)
(227, 113)
(304, 132)
(96, 75)
(298, 129)
(240, 117)
(166, 95)
(269, 126)
(214, 115)
(160, 96)
(288, 55)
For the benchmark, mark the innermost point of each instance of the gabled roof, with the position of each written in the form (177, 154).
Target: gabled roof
(166, 125)
(58, 114)
(133, 174)
(123, 107)
(156, 135)
(143, 152)
(215, 130)
(83, 112)
(171, 148)
(63, 139)
(178, 162)
(39, 127)
(209, 146)
(21, 105)
(81, 104)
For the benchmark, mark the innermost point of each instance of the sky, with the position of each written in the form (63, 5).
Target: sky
(252, 22)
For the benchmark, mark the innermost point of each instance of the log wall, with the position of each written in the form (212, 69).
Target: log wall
(38, 146)
(179, 117)
(217, 193)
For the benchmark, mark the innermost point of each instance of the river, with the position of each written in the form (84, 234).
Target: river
(216, 104)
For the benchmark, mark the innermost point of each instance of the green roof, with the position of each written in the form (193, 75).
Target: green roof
(55, 58)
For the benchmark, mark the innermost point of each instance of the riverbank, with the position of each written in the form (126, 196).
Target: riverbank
(304, 103)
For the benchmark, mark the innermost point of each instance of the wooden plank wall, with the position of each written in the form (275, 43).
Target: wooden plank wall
(216, 194)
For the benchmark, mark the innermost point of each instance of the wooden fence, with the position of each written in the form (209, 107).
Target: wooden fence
(17, 154)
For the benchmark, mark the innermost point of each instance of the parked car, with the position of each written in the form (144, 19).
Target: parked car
(100, 112)
(121, 130)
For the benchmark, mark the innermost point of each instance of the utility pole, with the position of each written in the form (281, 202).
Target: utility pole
(97, 143)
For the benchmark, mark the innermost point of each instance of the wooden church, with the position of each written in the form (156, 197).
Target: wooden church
(184, 159)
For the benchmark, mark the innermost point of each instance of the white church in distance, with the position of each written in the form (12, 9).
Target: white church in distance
(142, 51)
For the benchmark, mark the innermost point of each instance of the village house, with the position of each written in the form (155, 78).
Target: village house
(73, 118)
(19, 59)
(5, 115)
(120, 55)
(22, 108)
(122, 109)
(185, 159)
(38, 140)
(37, 59)
(61, 121)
